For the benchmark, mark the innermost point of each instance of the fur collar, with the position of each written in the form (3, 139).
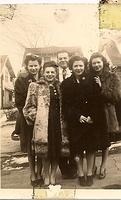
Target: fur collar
(43, 81)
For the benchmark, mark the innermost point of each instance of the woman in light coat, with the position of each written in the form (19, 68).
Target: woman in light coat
(43, 107)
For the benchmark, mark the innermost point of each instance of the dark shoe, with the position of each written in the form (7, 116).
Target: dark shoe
(89, 180)
(40, 181)
(102, 174)
(82, 180)
(33, 182)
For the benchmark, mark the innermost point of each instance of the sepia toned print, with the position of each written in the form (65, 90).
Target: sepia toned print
(52, 34)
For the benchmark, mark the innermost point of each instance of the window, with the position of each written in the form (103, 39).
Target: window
(47, 59)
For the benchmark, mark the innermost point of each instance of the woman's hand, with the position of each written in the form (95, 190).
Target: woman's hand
(89, 120)
(82, 119)
(97, 80)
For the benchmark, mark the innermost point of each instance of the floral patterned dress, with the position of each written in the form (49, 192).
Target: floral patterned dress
(43, 109)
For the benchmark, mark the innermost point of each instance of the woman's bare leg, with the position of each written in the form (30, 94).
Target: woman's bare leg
(90, 162)
(104, 159)
(54, 166)
(39, 167)
(46, 166)
(79, 161)
(31, 159)
(94, 165)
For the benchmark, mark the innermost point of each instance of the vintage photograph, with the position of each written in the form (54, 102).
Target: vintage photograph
(60, 98)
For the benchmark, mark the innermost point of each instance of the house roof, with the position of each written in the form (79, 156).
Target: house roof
(112, 51)
(53, 50)
(5, 60)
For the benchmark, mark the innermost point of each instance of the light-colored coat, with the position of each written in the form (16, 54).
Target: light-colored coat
(36, 110)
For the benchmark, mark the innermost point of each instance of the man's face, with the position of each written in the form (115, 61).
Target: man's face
(63, 59)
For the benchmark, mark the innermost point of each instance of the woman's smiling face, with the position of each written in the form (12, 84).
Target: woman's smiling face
(78, 67)
(97, 64)
(49, 74)
(33, 67)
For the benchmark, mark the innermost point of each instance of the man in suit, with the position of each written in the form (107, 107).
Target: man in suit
(62, 60)
(67, 165)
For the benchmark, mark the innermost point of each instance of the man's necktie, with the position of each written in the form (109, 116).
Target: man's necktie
(64, 74)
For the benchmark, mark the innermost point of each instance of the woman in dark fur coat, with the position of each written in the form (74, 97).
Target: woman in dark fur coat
(32, 73)
(106, 93)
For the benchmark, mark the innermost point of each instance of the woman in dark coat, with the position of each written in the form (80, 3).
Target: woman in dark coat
(77, 113)
(43, 106)
(106, 93)
(33, 67)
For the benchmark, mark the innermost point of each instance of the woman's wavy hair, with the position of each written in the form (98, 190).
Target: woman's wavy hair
(78, 58)
(33, 57)
(105, 62)
(50, 64)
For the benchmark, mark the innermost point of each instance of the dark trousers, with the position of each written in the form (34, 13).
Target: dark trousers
(118, 112)
(18, 124)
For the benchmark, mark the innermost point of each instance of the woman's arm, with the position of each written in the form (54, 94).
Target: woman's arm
(30, 108)
(112, 90)
(20, 94)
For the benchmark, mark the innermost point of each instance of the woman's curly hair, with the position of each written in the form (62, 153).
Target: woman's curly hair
(105, 62)
(78, 58)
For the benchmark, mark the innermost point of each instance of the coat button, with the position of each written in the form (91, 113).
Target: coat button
(83, 78)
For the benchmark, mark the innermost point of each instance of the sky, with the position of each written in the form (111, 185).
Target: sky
(40, 25)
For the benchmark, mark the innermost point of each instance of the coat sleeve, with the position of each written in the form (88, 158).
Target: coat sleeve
(30, 108)
(20, 93)
(112, 90)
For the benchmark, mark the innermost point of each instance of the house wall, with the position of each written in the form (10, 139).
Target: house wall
(7, 103)
(47, 58)
(1, 91)
(7, 88)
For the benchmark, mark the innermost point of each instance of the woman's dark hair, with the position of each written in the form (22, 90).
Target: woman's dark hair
(32, 57)
(105, 62)
(50, 64)
(78, 58)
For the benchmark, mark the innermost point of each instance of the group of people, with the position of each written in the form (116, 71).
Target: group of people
(67, 112)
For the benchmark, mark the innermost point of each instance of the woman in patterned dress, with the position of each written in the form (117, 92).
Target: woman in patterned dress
(43, 107)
